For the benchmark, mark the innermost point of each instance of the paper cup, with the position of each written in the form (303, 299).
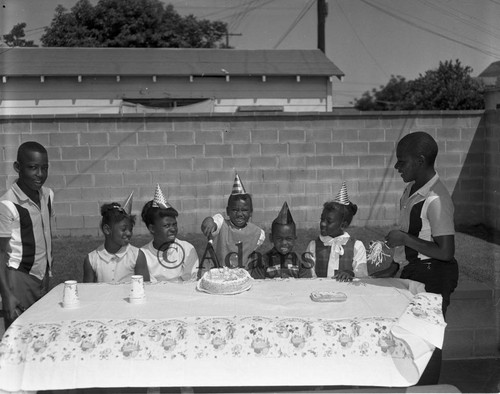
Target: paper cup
(137, 294)
(70, 294)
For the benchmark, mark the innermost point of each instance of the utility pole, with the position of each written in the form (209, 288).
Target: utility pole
(322, 13)
(231, 34)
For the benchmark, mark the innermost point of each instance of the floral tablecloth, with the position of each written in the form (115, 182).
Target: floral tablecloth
(185, 347)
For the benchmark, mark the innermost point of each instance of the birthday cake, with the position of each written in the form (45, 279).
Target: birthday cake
(225, 281)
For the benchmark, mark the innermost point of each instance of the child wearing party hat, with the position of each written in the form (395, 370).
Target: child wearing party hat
(281, 261)
(334, 253)
(235, 238)
(168, 258)
(116, 260)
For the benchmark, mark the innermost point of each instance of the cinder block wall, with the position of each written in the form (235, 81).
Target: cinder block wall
(298, 158)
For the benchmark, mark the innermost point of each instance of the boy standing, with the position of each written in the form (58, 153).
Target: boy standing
(425, 241)
(281, 261)
(235, 239)
(25, 233)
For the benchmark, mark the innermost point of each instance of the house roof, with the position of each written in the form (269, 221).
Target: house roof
(163, 61)
(493, 70)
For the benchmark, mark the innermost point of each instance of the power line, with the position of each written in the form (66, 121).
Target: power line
(295, 22)
(411, 23)
(360, 40)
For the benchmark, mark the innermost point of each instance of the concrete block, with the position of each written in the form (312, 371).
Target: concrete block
(214, 125)
(345, 161)
(92, 222)
(291, 162)
(75, 153)
(263, 162)
(211, 163)
(91, 166)
(291, 135)
(331, 148)
(69, 222)
(165, 177)
(103, 152)
(208, 137)
(130, 125)
(45, 125)
(93, 139)
(276, 175)
(185, 164)
(136, 178)
(273, 149)
(61, 208)
(372, 135)
(403, 123)
(341, 135)
(286, 189)
(306, 148)
(246, 150)
(316, 135)
(10, 139)
(182, 137)
(154, 138)
(108, 180)
(66, 139)
(63, 167)
(53, 181)
(16, 126)
(84, 208)
(159, 124)
(270, 135)
(67, 194)
(80, 180)
(383, 148)
(231, 136)
(263, 191)
(356, 174)
(303, 175)
(163, 151)
(371, 161)
(74, 126)
(350, 148)
(319, 161)
(149, 165)
(189, 150)
(486, 342)
(120, 166)
(104, 125)
(193, 178)
(123, 139)
(218, 151)
(236, 163)
(187, 125)
(132, 152)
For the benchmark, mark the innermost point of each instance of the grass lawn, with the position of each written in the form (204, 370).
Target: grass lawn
(475, 250)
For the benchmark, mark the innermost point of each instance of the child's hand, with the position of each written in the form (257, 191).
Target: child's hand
(344, 276)
(208, 226)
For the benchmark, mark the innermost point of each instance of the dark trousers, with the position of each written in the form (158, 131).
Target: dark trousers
(26, 288)
(440, 278)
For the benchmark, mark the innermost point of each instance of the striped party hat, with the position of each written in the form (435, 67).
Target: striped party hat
(342, 197)
(285, 216)
(238, 187)
(127, 205)
(159, 200)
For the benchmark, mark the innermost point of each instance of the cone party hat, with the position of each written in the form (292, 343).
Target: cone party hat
(159, 199)
(285, 216)
(127, 205)
(238, 187)
(342, 197)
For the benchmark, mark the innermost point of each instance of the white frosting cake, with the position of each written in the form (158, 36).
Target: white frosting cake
(225, 281)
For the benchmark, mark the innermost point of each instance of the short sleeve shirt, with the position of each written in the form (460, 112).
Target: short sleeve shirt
(114, 267)
(28, 227)
(427, 213)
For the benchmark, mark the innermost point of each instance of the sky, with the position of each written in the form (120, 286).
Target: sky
(369, 40)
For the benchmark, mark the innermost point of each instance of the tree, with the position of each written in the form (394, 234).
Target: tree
(130, 23)
(15, 38)
(449, 87)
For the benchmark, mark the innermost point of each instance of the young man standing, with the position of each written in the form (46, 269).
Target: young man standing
(25, 233)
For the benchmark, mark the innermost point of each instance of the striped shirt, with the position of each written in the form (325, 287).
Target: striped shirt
(427, 213)
(29, 229)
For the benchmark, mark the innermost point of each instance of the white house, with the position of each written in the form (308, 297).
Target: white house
(114, 80)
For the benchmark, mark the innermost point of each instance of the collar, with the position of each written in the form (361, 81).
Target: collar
(22, 195)
(340, 240)
(106, 256)
(424, 190)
